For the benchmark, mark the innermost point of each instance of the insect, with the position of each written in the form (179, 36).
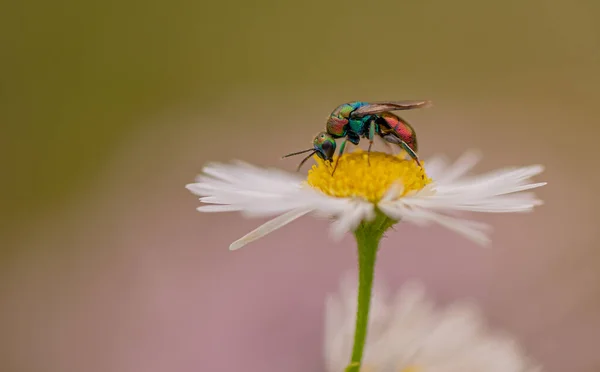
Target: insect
(358, 119)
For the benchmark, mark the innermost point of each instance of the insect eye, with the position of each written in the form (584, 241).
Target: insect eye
(327, 148)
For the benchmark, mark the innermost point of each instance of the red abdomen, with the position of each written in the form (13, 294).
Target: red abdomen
(404, 130)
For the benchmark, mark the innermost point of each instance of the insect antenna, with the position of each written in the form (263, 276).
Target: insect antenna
(304, 160)
(296, 153)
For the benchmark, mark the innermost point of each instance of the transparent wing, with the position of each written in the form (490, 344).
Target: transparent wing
(378, 107)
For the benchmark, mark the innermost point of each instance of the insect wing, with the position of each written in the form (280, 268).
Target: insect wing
(378, 107)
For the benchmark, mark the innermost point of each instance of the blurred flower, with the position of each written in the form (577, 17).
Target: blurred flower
(408, 334)
(361, 189)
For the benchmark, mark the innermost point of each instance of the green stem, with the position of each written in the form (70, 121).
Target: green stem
(368, 236)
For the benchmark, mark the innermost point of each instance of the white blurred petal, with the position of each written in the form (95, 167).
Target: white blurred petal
(348, 221)
(411, 332)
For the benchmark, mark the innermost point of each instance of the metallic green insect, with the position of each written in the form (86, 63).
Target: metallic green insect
(358, 119)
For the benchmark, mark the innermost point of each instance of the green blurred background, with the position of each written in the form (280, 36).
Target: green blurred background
(84, 85)
(78, 77)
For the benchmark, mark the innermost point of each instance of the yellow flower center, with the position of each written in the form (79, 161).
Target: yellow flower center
(354, 177)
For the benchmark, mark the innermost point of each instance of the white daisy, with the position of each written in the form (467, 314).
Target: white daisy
(361, 189)
(408, 334)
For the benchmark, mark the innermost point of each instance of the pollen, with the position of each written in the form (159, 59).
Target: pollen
(367, 176)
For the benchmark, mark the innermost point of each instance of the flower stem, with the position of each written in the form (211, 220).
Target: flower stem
(368, 236)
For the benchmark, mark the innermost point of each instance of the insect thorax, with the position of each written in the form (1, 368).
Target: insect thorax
(336, 126)
(358, 126)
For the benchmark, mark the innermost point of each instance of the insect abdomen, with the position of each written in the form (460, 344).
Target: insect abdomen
(404, 130)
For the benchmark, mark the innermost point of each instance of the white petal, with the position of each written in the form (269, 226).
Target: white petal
(357, 211)
(268, 227)
(491, 204)
(472, 230)
(258, 192)
(499, 182)
(475, 231)
(460, 167)
(219, 208)
(394, 192)
(500, 191)
(436, 166)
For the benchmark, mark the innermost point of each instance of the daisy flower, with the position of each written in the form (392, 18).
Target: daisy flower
(409, 334)
(388, 186)
(367, 195)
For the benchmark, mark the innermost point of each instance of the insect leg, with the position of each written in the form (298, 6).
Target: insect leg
(339, 155)
(371, 136)
(393, 139)
(387, 138)
(410, 152)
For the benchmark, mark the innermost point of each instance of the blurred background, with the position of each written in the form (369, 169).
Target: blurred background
(109, 108)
